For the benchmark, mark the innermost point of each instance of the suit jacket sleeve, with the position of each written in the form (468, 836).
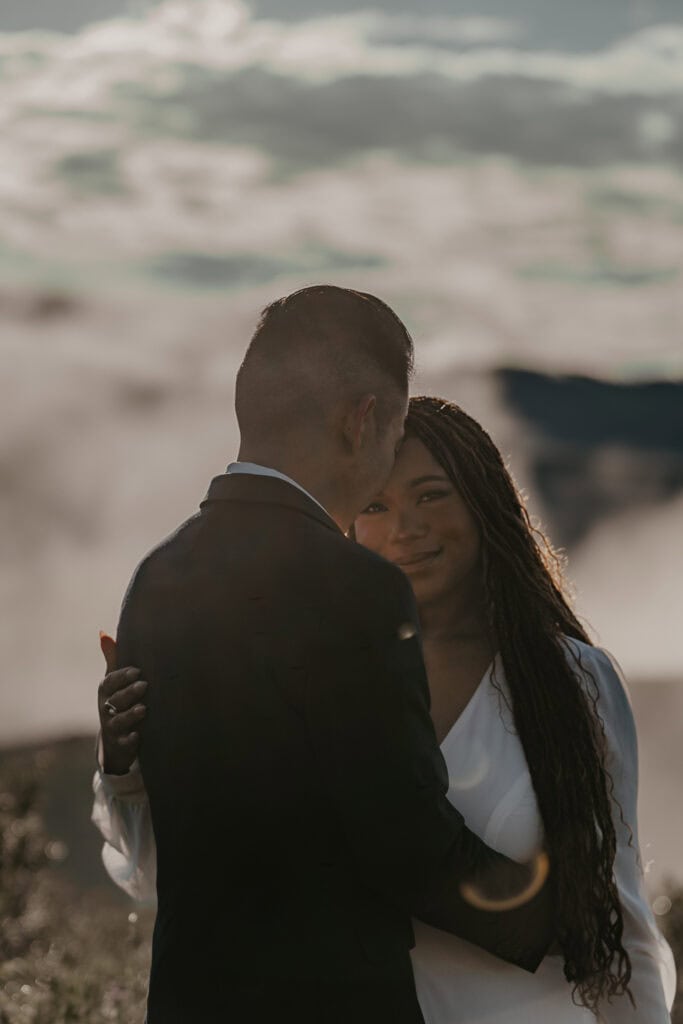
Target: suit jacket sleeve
(369, 721)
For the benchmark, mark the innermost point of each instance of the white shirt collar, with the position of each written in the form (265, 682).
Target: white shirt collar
(255, 470)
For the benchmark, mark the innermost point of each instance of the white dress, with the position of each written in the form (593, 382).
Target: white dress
(458, 983)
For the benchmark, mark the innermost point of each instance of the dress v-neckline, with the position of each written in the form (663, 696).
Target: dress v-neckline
(471, 703)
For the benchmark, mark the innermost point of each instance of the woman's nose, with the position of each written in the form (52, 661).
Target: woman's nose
(407, 527)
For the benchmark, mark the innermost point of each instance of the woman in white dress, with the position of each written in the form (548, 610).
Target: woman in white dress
(535, 727)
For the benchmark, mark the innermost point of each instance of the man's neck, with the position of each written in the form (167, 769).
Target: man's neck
(309, 477)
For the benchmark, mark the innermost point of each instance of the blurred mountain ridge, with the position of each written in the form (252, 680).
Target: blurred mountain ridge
(600, 447)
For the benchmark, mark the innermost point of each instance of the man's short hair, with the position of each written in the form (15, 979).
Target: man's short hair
(317, 345)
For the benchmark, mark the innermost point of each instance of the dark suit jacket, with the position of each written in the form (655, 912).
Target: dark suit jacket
(296, 787)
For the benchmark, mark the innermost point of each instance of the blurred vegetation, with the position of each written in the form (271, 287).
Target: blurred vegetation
(68, 955)
(65, 955)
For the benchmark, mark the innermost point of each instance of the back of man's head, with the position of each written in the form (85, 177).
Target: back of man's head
(315, 348)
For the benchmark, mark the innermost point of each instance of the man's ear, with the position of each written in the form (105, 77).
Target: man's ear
(358, 421)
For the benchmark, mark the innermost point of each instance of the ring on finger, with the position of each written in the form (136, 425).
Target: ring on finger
(110, 708)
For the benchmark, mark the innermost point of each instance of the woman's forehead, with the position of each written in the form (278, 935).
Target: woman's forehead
(413, 461)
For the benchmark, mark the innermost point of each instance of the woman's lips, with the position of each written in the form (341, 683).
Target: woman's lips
(417, 561)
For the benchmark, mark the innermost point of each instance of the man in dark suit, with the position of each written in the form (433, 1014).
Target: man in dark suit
(297, 791)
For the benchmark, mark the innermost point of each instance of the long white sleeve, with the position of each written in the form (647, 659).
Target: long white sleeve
(121, 813)
(653, 981)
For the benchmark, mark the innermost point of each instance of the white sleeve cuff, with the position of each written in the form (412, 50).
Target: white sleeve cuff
(129, 785)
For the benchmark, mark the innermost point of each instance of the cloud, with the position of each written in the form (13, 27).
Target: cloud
(425, 117)
(180, 146)
(317, 90)
(320, 92)
(222, 36)
(239, 269)
(94, 171)
(443, 31)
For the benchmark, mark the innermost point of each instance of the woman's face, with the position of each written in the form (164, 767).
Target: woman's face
(421, 523)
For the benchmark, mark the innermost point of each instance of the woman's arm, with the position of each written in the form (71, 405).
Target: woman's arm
(121, 808)
(653, 982)
(121, 813)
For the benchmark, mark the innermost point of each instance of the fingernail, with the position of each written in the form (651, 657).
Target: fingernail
(140, 685)
(131, 673)
(140, 709)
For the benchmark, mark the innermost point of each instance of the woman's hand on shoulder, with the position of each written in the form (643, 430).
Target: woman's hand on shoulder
(121, 711)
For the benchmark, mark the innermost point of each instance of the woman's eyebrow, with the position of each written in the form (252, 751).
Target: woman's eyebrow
(428, 479)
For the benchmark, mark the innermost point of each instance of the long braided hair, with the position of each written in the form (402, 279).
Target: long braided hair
(555, 716)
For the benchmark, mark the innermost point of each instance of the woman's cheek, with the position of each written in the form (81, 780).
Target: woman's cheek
(370, 537)
(362, 533)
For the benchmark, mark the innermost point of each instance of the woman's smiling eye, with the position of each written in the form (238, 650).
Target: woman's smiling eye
(433, 495)
(373, 507)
